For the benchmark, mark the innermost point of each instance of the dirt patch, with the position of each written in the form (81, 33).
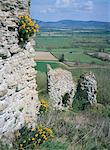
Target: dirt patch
(44, 56)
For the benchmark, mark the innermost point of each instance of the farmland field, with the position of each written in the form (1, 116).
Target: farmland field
(73, 48)
(74, 44)
(74, 39)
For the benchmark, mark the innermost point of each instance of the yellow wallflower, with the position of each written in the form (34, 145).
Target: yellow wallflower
(33, 139)
(26, 17)
(36, 135)
(29, 19)
(26, 31)
(48, 130)
(31, 23)
(20, 17)
(44, 137)
(32, 129)
(37, 26)
(24, 25)
(34, 30)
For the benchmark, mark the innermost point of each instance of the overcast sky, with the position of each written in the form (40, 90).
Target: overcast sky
(53, 10)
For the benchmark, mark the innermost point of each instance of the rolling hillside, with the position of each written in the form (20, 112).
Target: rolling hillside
(75, 24)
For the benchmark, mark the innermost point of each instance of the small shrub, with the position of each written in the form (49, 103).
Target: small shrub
(26, 28)
(43, 106)
(32, 137)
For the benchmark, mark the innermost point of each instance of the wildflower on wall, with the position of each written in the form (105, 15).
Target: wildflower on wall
(31, 137)
(26, 29)
(43, 106)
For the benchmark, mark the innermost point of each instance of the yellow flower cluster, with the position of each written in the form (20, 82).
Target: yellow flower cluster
(26, 27)
(27, 24)
(33, 136)
(44, 105)
(45, 132)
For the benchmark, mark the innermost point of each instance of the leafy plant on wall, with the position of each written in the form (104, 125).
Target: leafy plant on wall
(26, 29)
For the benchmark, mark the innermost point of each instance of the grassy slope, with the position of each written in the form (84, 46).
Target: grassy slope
(76, 130)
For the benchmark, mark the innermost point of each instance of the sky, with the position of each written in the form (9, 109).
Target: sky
(85, 10)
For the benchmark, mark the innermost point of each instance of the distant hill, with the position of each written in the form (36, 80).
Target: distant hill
(75, 24)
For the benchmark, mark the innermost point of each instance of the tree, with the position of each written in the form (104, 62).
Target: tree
(61, 59)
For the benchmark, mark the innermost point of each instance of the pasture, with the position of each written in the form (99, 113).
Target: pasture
(92, 122)
(74, 44)
(76, 40)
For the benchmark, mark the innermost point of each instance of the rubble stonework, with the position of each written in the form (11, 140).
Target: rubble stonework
(87, 87)
(18, 95)
(61, 87)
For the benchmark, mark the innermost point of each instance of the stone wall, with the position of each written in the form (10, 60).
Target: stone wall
(18, 95)
(61, 88)
(87, 88)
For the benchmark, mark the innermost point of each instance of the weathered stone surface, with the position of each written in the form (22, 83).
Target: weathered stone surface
(87, 87)
(3, 89)
(61, 87)
(5, 53)
(18, 95)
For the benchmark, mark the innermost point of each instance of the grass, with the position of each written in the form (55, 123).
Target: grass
(102, 76)
(52, 145)
(84, 130)
(80, 57)
(42, 65)
(53, 42)
(85, 41)
(103, 79)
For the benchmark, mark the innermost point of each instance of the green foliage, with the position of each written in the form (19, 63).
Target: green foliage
(5, 147)
(44, 106)
(29, 138)
(51, 145)
(26, 28)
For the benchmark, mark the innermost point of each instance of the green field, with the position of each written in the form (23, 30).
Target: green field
(70, 39)
(102, 75)
(73, 44)
(41, 67)
(80, 57)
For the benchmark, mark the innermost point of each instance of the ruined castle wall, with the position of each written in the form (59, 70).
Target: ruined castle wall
(61, 88)
(18, 95)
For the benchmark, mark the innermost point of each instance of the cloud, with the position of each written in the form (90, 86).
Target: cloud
(66, 5)
(89, 5)
(48, 10)
(63, 3)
